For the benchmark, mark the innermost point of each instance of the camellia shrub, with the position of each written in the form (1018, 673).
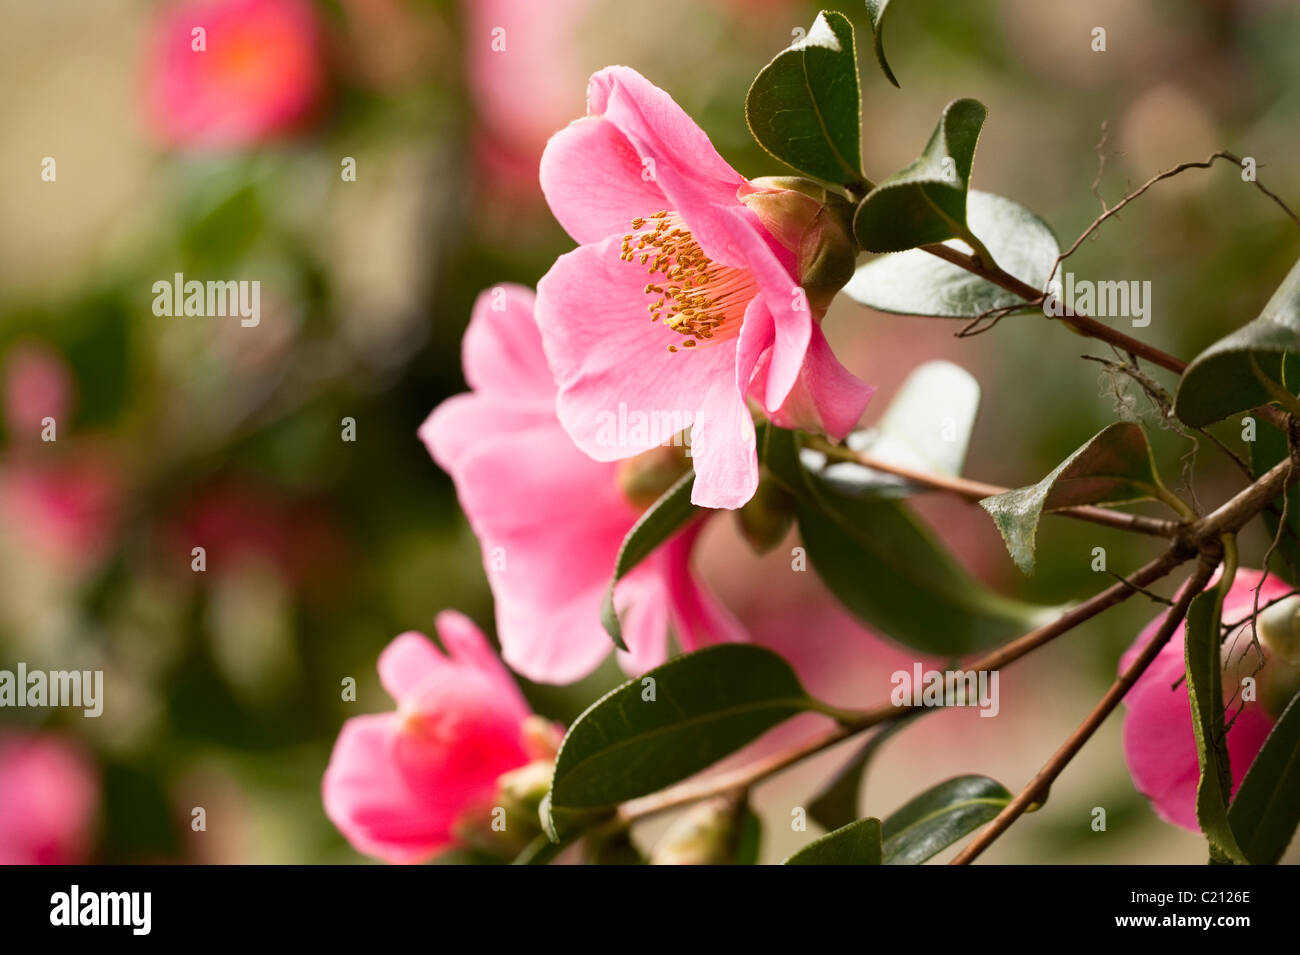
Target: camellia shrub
(672, 367)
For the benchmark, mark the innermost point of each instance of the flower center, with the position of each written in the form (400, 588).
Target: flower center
(702, 301)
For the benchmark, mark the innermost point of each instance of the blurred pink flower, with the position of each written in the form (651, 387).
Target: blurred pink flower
(1159, 744)
(664, 229)
(37, 384)
(235, 521)
(550, 519)
(398, 783)
(260, 75)
(521, 45)
(49, 796)
(65, 510)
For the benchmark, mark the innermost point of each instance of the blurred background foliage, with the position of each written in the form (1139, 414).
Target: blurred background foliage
(224, 687)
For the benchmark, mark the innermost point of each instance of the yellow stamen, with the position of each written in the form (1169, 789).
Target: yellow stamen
(705, 301)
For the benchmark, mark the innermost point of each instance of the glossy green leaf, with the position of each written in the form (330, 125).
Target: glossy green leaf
(541, 851)
(673, 722)
(876, 12)
(664, 518)
(941, 815)
(1113, 467)
(837, 803)
(855, 844)
(926, 202)
(1268, 449)
(887, 568)
(1205, 691)
(1266, 810)
(804, 107)
(926, 428)
(918, 283)
(1226, 377)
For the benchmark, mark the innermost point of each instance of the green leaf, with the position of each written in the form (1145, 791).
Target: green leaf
(1224, 378)
(661, 521)
(855, 844)
(1205, 691)
(918, 283)
(804, 107)
(926, 428)
(1113, 467)
(888, 569)
(926, 202)
(541, 851)
(1265, 812)
(1268, 449)
(876, 11)
(702, 707)
(837, 803)
(749, 838)
(940, 816)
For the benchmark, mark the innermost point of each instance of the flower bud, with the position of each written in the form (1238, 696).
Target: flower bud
(766, 517)
(645, 477)
(1279, 635)
(814, 223)
(706, 834)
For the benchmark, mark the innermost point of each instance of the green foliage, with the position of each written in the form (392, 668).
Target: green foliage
(1245, 369)
(858, 843)
(1114, 466)
(876, 12)
(926, 202)
(918, 283)
(1265, 812)
(1205, 691)
(661, 520)
(941, 815)
(803, 107)
(676, 720)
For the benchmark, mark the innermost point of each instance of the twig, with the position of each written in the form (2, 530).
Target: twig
(978, 490)
(1036, 791)
(744, 777)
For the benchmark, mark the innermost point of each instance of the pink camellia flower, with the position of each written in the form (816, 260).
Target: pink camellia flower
(48, 799)
(256, 71)
(37, 385)
(550, 519)
(399, 783)
(684, 296)
(1159, 744)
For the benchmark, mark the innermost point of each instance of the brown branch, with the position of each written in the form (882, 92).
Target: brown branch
(744, 777)
(1038, 788)
(978, 490)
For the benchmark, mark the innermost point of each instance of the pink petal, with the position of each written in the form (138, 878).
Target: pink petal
(558, 519)
(406, 662)
(723, 450)
(612, 363)
(699, 617)
(641, 599)
(826, 398)
(1159, 743)
(367, 797)
(659, 129)
(594, 207)
(467, 647)
(502, 349)
(462, 424)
